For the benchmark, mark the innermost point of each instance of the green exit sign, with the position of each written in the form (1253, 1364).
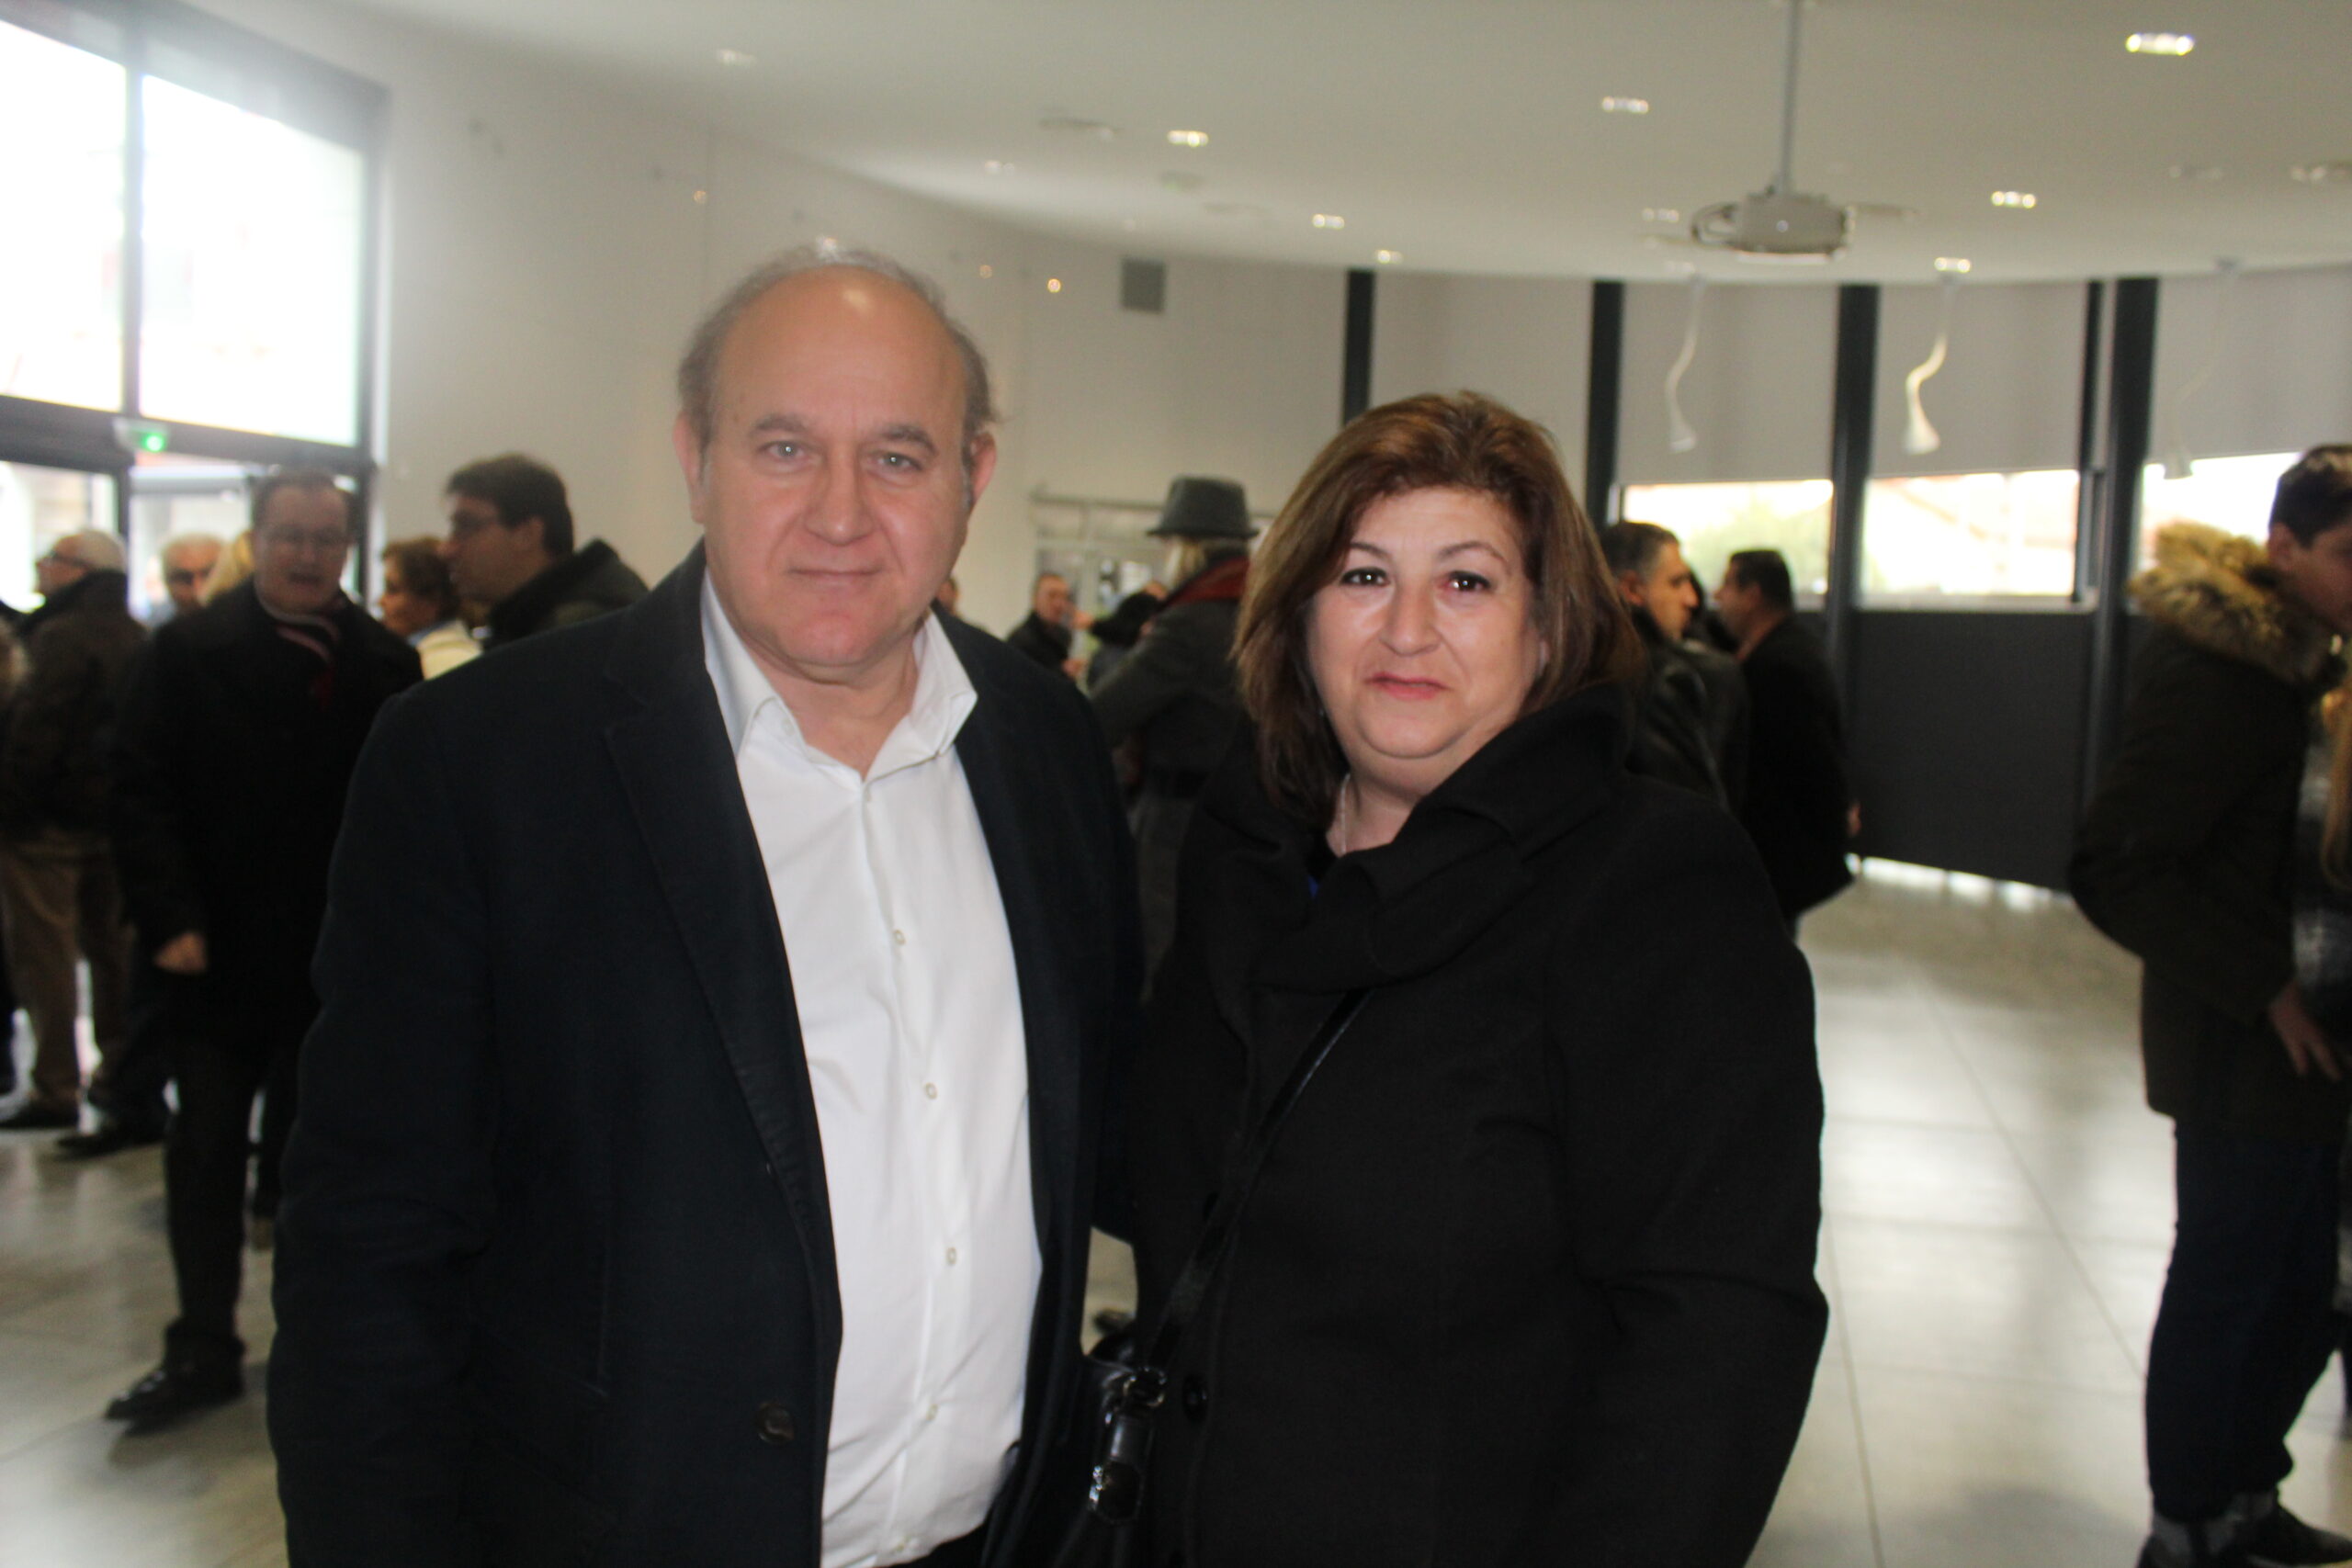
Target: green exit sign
(138, 437)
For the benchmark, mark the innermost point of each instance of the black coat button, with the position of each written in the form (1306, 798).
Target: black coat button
(774, 1424)
(1196, 1396)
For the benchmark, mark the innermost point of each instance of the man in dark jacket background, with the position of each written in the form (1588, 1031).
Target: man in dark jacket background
(1692, 727)
(510, 549)
(57, 876)
(2185, 858)
(1799, 806)
(1045, 633)
(241, 725)
(1174, 694)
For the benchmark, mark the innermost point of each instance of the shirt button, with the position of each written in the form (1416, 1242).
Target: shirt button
(951, 1255)
(900, 937)
(931, 1091)
(931, 1413)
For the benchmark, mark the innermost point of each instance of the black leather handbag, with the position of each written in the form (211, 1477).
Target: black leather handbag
(1128, 1378)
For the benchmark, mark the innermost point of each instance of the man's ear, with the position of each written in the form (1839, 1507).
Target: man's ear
(2282, 546)
(1629, 588)
(979, 466)
(688, 447)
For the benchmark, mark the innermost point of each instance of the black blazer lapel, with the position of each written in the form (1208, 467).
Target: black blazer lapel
(995, 768)
(682, 784)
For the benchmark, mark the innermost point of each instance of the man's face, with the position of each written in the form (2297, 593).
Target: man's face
(487, 559)
(300, 542)
(1667, 592)
(1739, 602)
(833, 496)
(187, 569)
(2318, 574)
(1051, 601)
(59, 570)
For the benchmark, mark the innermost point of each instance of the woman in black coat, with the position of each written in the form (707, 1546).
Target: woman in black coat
(1527, 1278)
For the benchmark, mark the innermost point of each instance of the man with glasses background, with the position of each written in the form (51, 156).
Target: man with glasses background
(239, 730)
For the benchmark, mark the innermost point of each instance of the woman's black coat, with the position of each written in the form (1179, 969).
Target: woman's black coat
(1529, 1277)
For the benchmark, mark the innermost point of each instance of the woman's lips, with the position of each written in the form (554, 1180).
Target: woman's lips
(1404, 686)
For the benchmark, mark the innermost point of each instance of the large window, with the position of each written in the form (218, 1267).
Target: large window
(40, 506)
(187, 213)
(1715, 520)
(1946, 536)
(2233, 494)
(61, 208)
(253, 265)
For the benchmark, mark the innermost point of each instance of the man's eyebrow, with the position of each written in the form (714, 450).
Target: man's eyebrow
(780, 423)
(912, 435)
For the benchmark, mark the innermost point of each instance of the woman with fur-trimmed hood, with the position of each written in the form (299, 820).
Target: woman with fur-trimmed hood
(2186, 857)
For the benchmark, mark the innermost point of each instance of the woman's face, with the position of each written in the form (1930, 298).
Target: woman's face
(403, 613)
(1423, 649)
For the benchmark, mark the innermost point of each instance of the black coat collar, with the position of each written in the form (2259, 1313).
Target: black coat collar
(1405, 908)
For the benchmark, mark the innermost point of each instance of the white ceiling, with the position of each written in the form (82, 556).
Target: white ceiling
(1468, 135)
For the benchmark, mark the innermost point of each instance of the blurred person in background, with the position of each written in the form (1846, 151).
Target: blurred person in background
(240, 727)
(186, 563)
(1045, 633)
(1799, 806)
(1173, 696)
(1692, 727)
(57, 873)
(419, 602)
(511, 551)
(1529, 1277)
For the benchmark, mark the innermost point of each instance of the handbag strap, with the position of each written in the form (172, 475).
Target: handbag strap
(1191, 1287)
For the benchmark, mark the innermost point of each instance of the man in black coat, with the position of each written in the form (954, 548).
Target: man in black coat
(622, 918)
(57, 875)
(1799, 806)
(2186, 857)
(510, 550)
(1045, 632)
(1691, 721)
(241, 725)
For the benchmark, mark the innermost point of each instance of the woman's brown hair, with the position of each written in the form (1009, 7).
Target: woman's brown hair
(1433, 442)
(422, 571)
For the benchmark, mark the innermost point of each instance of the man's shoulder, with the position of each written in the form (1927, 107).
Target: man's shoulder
(1003, 674)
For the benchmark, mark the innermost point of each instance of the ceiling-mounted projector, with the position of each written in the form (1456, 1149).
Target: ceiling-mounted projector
(1775, 225)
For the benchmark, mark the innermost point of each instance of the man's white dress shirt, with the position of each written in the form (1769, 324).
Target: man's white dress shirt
(909, 1010)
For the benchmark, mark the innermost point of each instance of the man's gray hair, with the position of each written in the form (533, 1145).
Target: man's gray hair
(1634, 546)
(698, 371)
(195, 538)
(93, 547)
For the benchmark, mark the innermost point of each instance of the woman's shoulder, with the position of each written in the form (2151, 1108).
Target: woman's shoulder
(1654, 855)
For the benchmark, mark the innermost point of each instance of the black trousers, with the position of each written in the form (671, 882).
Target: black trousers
(2247, 1321)
(225, 1053)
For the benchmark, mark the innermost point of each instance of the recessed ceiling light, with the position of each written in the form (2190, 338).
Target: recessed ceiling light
(2160, 43)
(1661, 215)
(1329, 221)
(1071, 125)
(1951, 264)
(987, 271)
(702, 195)
(1188, 138)
(1388, 258)
(2199, 172)
(2333, 174)
(997, 166)
(2014, 198)
(1052, 285)
(736, 57)
(1624, 106)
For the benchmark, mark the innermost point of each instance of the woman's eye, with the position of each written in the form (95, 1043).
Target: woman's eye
(1363, 576)
(1468, 582)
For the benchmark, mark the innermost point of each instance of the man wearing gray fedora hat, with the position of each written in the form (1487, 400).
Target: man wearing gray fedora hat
(1174, 693)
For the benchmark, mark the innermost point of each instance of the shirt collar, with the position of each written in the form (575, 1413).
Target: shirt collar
(944, 694)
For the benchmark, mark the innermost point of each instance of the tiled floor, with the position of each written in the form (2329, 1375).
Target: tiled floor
(1998, 1200)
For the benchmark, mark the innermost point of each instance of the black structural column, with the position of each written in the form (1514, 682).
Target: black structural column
(1849, 471)
(2130, 390)
(2090, 494)
(1355, 376)
(1604, 388)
